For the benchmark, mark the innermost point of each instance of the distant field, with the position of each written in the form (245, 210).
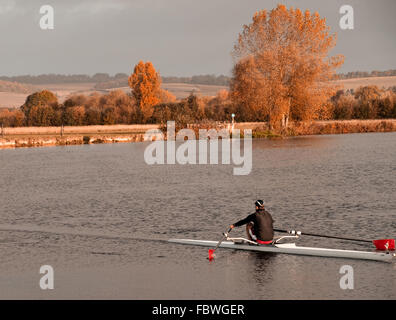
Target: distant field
(183, 90)
(13, 94)
(385, 82)
(180, 90)
(62, 91)
(11, 99)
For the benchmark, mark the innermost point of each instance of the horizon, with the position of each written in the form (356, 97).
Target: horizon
(111, 75)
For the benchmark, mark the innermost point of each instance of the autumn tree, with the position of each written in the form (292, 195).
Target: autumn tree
(40, 115)
(368, 102)
(282, 65)
(220, 107)
(18, 118)
(44, 97)
(5, 117)
(387, 105)
(145, 83)
(41, 108)
(74, 116)
(167, 97)
(248, 90)
(343, 106)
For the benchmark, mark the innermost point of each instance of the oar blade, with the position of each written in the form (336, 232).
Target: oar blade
(211, 254)
(384, 244)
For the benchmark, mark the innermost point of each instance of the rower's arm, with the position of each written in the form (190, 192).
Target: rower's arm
(248, 219)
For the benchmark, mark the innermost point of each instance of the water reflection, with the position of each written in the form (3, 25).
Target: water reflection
(261, 263)
(295, 142)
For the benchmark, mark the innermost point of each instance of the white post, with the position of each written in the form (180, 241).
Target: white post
(232, 121)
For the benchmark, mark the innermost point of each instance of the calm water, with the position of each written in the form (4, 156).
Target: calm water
(91, 211)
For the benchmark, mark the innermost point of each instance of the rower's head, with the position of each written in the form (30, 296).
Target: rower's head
(259, 204)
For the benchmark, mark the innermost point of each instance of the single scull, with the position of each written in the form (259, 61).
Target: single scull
(291, 248)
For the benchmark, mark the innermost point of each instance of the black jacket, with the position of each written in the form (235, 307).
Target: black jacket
(263, 224)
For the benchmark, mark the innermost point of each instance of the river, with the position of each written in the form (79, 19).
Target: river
(100, 216)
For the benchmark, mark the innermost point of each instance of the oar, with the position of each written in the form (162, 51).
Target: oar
(212, 251)
(383, 244)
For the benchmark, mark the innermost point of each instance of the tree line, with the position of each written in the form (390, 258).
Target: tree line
(365, 74)
(61, 78)
(208, 79)
(106, 81)
(119, 107)
(6, 86)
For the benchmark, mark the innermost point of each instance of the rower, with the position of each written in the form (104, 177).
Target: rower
(259, 225)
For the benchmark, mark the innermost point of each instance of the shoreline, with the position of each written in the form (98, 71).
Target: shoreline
(23, 137)
(66, 141)
(20, 137)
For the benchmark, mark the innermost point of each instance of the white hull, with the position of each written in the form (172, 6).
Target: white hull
(291, 248)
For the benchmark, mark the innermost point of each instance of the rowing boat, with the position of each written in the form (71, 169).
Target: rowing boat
(291, 248)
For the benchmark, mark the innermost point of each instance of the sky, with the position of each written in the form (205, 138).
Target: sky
(180, 37)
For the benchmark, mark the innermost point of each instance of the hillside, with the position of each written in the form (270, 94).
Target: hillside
(15, 87)
(354, 83)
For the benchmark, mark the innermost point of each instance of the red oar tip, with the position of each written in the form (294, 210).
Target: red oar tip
(211, 254)
(384, 244)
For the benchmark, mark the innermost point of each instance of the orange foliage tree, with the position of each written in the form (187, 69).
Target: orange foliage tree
(145, 83)
(282, 66)
(12, 118)
(368, 98)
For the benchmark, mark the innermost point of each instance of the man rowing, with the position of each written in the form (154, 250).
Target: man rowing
(259, 225)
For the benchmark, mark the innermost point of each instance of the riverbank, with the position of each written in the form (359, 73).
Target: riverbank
(262, 130)
(56, 136)
(342, 127)
(72, 135)
(70, 140)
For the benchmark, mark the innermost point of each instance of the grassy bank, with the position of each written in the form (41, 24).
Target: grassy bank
(54, 136)
(262, 130)
(80, 130)
(42, 141)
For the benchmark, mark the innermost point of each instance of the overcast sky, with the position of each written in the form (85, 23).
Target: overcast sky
(180, 37)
